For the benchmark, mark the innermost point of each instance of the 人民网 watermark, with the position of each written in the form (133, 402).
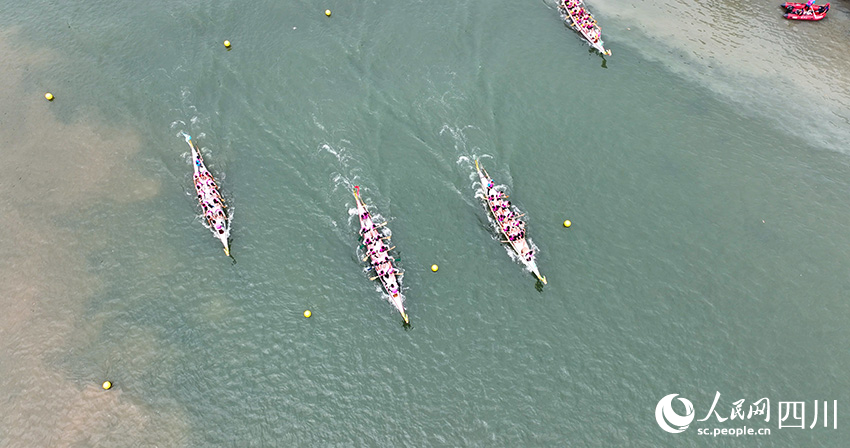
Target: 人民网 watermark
(789, 414)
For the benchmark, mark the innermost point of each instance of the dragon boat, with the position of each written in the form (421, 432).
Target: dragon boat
(209, 198)
(507, 220)
(577, 17)
(378, 255)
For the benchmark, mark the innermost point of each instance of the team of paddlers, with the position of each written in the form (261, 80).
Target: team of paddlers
(208, 197)
(377, 252)
(581, 18)
(507, 219)
(210, 200)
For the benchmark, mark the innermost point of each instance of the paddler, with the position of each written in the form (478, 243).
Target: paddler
(366, 223)
(810, 6)
(389, 268)
(370, 238)
(375, 250)
(379, 260)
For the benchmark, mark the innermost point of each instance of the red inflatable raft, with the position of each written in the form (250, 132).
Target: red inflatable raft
(799, 11)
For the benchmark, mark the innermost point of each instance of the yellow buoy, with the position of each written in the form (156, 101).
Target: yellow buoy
(107, 385)
(48, 96)
(227, 44)
(328, 12)
(307, 313)
(567, 223)
(434, 268)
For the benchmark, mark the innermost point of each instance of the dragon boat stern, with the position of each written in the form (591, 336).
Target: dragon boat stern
(226, 245)
(534, 270)
(397, 301)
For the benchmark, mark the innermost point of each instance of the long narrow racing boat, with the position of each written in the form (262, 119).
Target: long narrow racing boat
(209, 197)
(507, 220)
(579, 19)
(378, 254)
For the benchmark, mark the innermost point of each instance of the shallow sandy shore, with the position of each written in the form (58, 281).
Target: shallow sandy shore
(53, 171)
(742, 51)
